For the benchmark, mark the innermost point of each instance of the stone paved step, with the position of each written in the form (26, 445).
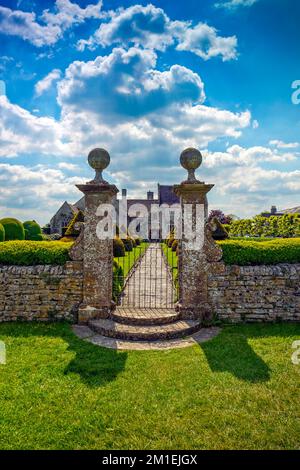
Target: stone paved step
(201, 336)
(144, 317)
(113, 329)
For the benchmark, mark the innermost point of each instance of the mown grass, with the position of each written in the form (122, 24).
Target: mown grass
(237, 391)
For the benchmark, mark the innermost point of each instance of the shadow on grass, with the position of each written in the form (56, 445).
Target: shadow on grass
(95, 365)
(231, 352)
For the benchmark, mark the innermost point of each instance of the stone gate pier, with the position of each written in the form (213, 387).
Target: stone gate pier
(197, 260)
(96, 253)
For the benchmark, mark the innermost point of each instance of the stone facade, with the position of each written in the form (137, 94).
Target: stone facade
(43, 293)
(256, 293)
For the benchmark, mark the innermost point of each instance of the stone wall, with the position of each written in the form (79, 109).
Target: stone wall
(236, 293)
(256, 293)
(40, 292)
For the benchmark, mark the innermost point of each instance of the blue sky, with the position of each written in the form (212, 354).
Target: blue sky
(145, 80)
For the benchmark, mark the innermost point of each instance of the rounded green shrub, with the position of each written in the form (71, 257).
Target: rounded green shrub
(118, 280)
(119, 248)
(32, 230)
(128, 244)
(2, 233)
(13, 228)
(218, 230)
(174, 245)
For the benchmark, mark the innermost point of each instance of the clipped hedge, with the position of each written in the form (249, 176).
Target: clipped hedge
(128, 243)
(118, 280)
(32, 230)
(14, 229)
(118, 247)
(28, 253)
(245, 252)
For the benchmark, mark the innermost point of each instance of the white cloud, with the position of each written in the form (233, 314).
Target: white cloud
(45, 83)
(23, 133)
(68, 166)
(204, 41)
(239, 156)
(22, 187)
(126, 85)
(137, 25)
(150, 27)
(283, 145)
(25, 25)
(69, 13)
(233, 4)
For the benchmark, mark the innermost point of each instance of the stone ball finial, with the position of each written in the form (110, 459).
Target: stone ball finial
(99, 159)
(190, 160)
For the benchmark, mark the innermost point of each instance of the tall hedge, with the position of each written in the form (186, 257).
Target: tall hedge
(286, 226)
(32, 230)
(28, 253)
(245, 252)
(14, 229)
(2, 233)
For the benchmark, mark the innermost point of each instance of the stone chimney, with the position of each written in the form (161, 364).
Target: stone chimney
(150, 195)
(273, 210)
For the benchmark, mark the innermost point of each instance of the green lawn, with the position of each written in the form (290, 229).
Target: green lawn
(171, 258)
(239, 390)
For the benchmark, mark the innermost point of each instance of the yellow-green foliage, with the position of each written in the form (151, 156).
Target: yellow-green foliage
(28, 253)
(2, 233)
(245, 252)
(71, 231)
(14, 229)
(286, 226)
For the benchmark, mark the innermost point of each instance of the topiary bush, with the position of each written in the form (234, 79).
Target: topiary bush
(118, 280)
(218, 230)
(174, 245)
(32, 230)
(2, 233)
(13, 228)
(128, 244)
(119, 248)
(28, 253)
(71, 231)
(244, 252)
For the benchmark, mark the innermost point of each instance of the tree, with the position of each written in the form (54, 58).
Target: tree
(218, 214)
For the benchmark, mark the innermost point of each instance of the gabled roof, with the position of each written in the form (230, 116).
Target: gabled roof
(294, 210)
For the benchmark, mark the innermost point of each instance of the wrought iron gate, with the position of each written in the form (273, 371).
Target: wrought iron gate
(146, 277)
